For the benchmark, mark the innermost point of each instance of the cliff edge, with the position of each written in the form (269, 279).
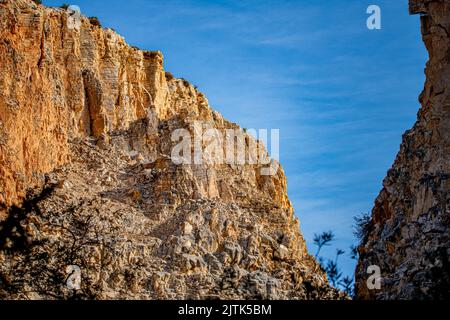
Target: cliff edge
(90, 192)
(408, 236)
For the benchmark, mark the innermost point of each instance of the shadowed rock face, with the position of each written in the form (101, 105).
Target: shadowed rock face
(86, 121)
(408, 237)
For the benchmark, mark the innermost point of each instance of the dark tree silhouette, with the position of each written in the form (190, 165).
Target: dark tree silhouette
(354, 252)
(331, 266)
(323, 239)
(361, 226)
(42, 264)
(347, 285)
(332, 269)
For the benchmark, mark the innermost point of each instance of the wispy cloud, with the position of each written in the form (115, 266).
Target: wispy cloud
(341, 95)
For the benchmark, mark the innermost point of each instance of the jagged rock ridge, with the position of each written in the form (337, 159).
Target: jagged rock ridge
(408, 236)
(86, 120)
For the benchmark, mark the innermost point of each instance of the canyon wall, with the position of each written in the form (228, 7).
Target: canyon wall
(60, 80)
(87, 180)
(408, 235)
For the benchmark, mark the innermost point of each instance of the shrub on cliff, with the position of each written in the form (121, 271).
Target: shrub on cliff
(361, 226)
(185, 82)
(151, 54)
(169, 76)
(37, 1)
(95, 21)
(44, 263)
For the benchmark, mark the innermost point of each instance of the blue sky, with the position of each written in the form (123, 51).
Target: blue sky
(341, 95)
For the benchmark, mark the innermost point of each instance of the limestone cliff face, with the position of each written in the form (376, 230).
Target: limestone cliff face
(87, 122)
(408, 237)
(61, 81)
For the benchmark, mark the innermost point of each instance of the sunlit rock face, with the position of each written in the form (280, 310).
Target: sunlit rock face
(86, 124)
(408, 237)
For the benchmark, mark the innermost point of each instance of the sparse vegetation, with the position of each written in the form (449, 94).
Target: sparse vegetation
(323, 239)
(185, 82)
(151, 54)
(354, 252)
(37, 1)
(347, 285)
(361, 226)
(331, 266)
(44, 262)
(169, 76)
(64, 6)
(332, 269)
(95, 21)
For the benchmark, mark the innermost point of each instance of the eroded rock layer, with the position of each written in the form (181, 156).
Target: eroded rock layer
(86, 120)
(408, 237)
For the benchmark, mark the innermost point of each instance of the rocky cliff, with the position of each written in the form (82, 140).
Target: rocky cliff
(88, 184)
(408, 236)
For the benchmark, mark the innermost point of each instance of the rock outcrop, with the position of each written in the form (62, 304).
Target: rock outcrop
(88, 185)
(408, 236)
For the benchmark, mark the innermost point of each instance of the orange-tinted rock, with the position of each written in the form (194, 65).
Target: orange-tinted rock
(87, 121)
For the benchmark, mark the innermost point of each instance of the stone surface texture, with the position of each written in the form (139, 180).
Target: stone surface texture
(86, 179)
(408, 235)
